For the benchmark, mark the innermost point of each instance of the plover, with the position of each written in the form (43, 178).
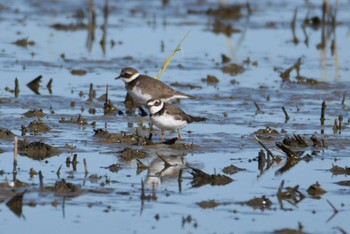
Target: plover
(169, 117)
(143, 88)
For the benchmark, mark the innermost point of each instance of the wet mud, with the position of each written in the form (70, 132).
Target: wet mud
(270, 77)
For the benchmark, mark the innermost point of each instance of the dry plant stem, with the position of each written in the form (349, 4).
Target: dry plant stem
(168, 60)
(85, 167)
(15, 155)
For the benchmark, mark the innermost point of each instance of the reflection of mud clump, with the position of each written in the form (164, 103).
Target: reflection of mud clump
(69, 27)
(37, 150)
(233, 69)
(63, 188)
(211, 79)
(336, 170)
(227, 12)
(24, 42)
(208, 204)
(78, 72)
(258, 203)
(38, 126)
(129, 154)
(315, 190)
(79, 120)
(201, 178)
(232, 169)
(5, 133)
(121, 137)
(34, 113)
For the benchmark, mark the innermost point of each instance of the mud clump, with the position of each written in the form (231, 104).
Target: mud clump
(233, 69)
(34, 113)
(258, 203)
(38, 126)
(129, 154)
(121, 137)
(6, 134)
(80, 120)
(37, 150)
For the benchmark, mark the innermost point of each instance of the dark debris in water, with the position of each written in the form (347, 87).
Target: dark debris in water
(37, 150)
(201, 178)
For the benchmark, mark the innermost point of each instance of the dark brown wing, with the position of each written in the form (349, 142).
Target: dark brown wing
(159, 89)
(180, 114)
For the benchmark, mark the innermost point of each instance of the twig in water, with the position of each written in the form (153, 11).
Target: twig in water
(285, 113)
(257, 106)
(59, 171)
(41, 180)
(323, 112)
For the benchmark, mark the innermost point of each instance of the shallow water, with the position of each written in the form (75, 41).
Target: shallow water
(112, 201)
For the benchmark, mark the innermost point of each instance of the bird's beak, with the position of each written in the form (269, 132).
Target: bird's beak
(117, 77)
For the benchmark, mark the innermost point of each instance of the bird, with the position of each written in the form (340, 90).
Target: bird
(169, 117)
(143, 88)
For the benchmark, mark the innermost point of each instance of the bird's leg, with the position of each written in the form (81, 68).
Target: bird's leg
(162, 139)
(179, 134)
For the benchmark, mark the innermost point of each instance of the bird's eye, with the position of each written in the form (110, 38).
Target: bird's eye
(157, 103)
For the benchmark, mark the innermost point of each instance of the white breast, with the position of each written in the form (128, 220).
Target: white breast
(139, 95)
(168, 122)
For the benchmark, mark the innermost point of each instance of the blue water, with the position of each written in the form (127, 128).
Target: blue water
(226, 138)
